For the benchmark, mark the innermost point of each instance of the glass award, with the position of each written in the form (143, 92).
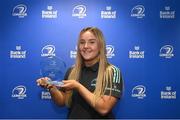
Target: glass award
(53, 68)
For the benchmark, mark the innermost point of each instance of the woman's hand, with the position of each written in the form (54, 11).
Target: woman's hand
(57, 96)
(70, 84)
(43, 82)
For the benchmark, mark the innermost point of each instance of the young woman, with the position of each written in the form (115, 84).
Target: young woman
(92, 86)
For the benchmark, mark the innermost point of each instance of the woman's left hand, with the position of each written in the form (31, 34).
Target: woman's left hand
(70, 84)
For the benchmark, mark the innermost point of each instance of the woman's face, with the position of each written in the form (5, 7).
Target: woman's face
(88, 46)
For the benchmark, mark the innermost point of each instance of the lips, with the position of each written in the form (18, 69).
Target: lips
(86, 51)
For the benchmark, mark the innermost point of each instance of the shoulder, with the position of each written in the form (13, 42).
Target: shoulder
(115, 73)
(113, 68)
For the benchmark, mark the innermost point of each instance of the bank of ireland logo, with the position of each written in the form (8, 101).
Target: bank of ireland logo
(166, 51)
(19, 92)
(110, 51)
(168, 93)
(138, 11)
(136, 53)
(79, 11)
(108, 13)
(49, 13)
(18, 53)
(20, 11)
(73, 53)
(167, 13)
(45, 95)
(139, 91)
(48, 50)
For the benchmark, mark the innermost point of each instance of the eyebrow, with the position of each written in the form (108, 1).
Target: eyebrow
(89, 39)
(92, 39)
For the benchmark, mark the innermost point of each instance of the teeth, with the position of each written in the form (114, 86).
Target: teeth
(87, 52)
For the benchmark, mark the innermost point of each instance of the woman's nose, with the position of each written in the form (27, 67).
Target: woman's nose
(86, 45)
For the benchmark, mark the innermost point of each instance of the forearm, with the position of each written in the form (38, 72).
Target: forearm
(57, 96)
(86, 94)
(102, 106)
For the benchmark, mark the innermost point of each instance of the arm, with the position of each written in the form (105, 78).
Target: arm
(57, 96)
(103, 105)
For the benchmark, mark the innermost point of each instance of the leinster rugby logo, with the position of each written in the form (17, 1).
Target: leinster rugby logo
(79, 11)
(110, 51)
(20, 11)
(19, 92)
(48, 50)
(166, 51)
(138, 11)
(139, 92)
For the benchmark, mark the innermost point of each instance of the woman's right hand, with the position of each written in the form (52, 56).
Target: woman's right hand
(43, 82)
(57, 95)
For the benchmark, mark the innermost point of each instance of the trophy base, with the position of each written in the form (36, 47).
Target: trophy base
(55, 83)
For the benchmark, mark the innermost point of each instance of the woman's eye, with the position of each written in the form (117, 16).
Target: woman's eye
(82, 42)
(92, 42)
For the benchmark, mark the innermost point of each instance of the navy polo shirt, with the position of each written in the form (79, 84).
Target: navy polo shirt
(79, 107)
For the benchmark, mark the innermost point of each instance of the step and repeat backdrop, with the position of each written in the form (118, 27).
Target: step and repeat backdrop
(142, 39)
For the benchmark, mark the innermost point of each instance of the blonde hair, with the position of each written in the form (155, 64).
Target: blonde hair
(105, 72)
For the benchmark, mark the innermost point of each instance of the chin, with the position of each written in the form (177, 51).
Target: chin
(87, 59)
